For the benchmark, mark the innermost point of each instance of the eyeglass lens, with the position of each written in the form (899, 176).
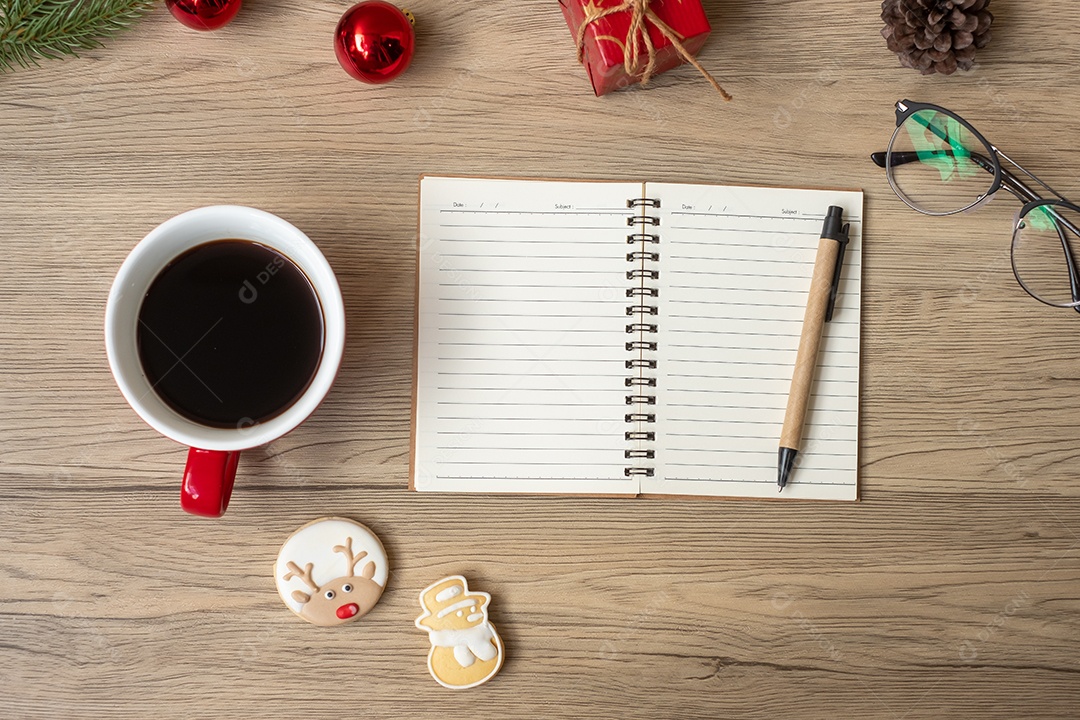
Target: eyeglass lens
(937, 165)
(1043, 245)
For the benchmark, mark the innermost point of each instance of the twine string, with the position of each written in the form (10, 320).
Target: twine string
(638, 36)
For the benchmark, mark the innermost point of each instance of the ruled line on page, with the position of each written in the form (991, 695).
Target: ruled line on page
(474, 403)
(530, 345)
(531, 300)
(528, 448)
(717, 406)
(721, 317)
(714, 361)
(752, 377)
(535, 271)
(504, 241)
(606, 229)
(727, 345)
(755, 466)
(534, 256)
(740, 437)
(729, 451)
(675, 478)
(517, 315)
(528, 418)
(716, 391)
(720, 288)
(772, 246)
(532, 374)
(728, 260)
(675, 419)
(509, 479)
(810, 218)
(529, 434)
(522, 285)
(490, 358)
(591, 331)
(582, 211)
(755, 348)
(833, 323)
(516, 389)
(728, 288)
(518, 463)
(730, 274)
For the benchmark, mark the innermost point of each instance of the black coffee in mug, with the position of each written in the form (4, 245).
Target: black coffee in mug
(230, 333)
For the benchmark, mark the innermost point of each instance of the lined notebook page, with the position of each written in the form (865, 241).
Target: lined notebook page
(735, 267)
(521, 332)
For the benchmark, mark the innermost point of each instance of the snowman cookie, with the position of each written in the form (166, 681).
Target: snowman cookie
(465, 649)
(331, 571)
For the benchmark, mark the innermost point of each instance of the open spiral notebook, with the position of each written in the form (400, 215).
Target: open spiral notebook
(627, 338)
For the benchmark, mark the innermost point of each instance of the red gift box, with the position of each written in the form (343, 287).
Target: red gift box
(607, 39)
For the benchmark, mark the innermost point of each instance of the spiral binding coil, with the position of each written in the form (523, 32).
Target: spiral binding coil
(644, 253)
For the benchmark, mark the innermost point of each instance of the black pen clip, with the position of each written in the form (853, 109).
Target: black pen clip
(835, 231)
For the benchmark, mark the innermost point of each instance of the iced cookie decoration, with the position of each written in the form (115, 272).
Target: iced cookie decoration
(465, 649)
(331, 571)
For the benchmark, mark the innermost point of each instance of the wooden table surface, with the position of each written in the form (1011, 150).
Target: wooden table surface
(951, 590)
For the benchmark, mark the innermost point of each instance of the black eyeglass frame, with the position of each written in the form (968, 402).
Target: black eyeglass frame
(1003, 178)
(1066, 246)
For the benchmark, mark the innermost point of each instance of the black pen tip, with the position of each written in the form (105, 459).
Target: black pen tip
(785, 462)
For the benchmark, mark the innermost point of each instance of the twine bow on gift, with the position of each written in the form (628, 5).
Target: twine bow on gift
(638, 36)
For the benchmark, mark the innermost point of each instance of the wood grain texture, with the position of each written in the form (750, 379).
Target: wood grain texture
(952, 590)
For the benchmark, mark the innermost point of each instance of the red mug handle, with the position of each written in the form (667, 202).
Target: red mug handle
(208, 481)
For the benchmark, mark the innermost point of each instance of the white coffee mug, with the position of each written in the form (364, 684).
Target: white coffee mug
(214, 451)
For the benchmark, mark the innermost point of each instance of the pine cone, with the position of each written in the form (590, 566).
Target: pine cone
(936, 35)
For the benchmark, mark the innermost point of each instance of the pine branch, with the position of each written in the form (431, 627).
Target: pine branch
(35, 29)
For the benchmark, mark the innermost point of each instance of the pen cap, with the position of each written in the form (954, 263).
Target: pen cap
(834, 227)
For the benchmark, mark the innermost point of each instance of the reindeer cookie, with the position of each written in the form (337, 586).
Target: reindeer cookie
(465, 649)
(331, 571)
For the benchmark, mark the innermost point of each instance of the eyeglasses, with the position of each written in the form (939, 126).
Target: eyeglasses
(938, 164)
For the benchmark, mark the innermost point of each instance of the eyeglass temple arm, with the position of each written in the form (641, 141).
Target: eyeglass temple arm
(1030, 174)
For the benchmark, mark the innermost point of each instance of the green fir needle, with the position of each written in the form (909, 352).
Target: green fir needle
(35, 29)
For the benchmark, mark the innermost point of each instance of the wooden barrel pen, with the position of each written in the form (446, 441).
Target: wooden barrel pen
(819, 310)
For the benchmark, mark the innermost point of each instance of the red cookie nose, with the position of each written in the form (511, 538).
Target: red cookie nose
(347, 611)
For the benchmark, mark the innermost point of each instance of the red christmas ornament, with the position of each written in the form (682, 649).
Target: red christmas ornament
(374, 41)
(204, 14)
